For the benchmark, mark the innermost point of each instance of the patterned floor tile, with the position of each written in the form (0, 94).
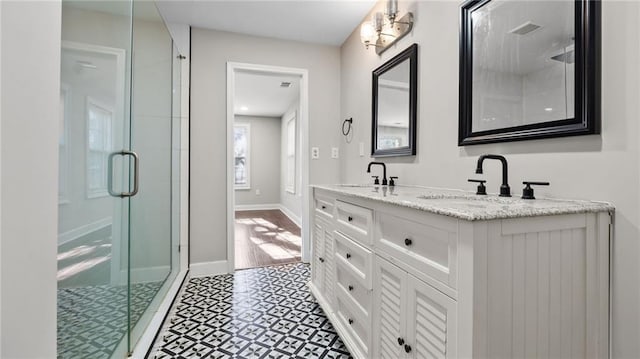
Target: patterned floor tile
(265, 313)
(92, 320)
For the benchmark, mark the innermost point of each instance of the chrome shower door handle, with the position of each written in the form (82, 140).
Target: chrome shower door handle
(136, 166)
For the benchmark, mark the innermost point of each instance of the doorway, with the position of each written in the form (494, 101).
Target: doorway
(267, 166)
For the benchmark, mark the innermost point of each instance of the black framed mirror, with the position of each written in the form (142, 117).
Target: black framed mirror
(528, 70)
(394, 105)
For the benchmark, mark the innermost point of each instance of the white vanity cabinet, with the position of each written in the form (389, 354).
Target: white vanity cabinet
(440, 279)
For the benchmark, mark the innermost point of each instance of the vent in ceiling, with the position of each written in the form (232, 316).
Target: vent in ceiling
(285, 84)
(525, 28)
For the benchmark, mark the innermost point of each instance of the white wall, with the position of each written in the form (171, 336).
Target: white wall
(210, 51)
(264, 161)
(291, 202)
(604, 167)
(30, 82)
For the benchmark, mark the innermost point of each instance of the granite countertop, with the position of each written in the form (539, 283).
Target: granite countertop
(467, 205)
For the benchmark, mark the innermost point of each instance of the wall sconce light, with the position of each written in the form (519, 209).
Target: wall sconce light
(385, 29)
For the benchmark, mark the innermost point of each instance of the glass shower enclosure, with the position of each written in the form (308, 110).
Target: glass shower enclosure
(118, 175)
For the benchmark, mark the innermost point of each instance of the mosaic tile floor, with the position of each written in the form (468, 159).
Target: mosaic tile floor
(93, 320)
(256, 313)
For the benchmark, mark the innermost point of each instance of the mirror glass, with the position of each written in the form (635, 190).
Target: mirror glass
(523, 63)
(394, 105)
(529, 70)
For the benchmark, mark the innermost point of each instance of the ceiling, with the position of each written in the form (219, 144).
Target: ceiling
(327, 22)
(260, 94)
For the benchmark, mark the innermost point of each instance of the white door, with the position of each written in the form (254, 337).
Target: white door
(318, 260)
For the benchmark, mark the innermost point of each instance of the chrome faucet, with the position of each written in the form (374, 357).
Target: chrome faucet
(505, 190)
(384, 171)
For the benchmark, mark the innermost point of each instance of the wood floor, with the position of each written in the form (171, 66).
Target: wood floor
(265, 238)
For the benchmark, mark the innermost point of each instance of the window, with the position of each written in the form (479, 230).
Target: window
(291, 155)
(241, 140)
(63, 146)
(99, 145)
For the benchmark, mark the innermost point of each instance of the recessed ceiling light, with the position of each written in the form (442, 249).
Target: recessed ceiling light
(244, 108)
(548, 109)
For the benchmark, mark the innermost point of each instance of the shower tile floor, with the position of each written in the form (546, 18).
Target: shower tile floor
(92, 320)
(263, 312)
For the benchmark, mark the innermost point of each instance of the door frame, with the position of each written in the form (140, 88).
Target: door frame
(303, 122)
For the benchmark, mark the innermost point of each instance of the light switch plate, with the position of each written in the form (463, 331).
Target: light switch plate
(334, 152)
(315, 153)
(361, 149)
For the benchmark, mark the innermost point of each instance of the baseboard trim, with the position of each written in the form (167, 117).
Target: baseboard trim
(256, 207)
(81, 231)
(287, 212)
(208, 268)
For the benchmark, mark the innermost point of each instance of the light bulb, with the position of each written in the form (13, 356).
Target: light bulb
(367, 32)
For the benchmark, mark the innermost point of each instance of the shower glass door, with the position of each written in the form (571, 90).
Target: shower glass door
(153, 228)
(118, 175)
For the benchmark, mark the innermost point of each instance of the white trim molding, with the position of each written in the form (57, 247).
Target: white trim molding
(208, 268)
(81, 231)
(257, 207)
(292, 216)
(302, 122)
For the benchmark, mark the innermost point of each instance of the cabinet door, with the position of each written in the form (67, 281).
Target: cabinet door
(329, 265)
(389, 306)
(431, 325)
(318, 260)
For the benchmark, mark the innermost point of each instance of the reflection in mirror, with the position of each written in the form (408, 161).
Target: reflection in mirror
(528, 69)
(523, 63)
(393, 107)
(394, 92)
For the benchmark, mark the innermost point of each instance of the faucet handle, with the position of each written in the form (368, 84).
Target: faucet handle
(376, 180)
(527, 192)
(391, 180)
(482, 190)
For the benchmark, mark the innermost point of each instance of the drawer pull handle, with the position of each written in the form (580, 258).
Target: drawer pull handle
(400, 341)
(321, 259)
(351, 322)
(350, 218)
(408, 242)
(324, 207)
(407, 348)
(350, 288)
(348, 255)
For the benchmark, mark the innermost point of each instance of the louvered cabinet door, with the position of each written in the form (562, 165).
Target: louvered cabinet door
(318, 260)
(389, 306)
(329, 266)
(431, 326)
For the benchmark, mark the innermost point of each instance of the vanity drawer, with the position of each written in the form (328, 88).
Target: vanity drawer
(324, 205)
(353, 287)
(354, 221)
(356, 323)
(354, 258)
(430, 247)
